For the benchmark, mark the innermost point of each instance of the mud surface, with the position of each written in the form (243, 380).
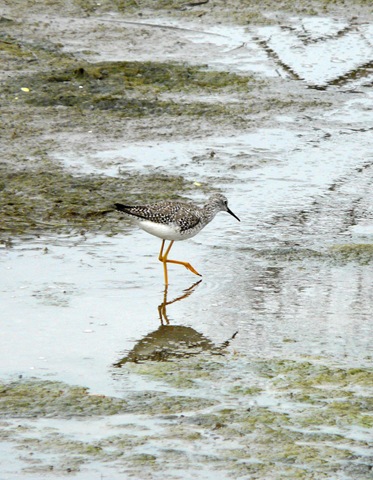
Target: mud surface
(263, 370)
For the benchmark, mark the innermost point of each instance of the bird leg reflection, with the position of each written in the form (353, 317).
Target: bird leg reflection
(164, 259)
(162, 307)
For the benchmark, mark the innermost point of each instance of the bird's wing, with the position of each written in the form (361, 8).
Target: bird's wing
(186, 219)
(139, 211)
(176, 213)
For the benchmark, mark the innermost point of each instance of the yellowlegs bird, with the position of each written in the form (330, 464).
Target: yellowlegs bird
(174, 221)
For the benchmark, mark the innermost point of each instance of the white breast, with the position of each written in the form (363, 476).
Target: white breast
(166, 232)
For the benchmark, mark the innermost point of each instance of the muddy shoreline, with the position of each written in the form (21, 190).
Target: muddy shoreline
(264, 369)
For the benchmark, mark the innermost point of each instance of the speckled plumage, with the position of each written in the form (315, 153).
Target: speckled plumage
(181, 215)
(175, 220)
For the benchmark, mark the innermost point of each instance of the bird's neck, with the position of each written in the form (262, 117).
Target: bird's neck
(209, 213)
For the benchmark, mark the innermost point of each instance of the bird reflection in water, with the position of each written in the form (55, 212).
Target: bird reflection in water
(172, 341)
(162, 307)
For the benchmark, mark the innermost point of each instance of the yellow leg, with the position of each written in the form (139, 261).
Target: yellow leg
(165, 260)
(162, 258)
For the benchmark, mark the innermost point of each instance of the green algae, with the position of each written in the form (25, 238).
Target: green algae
(317, 397)
(21, 56)
(313, 374)
(183, 378)
(41, 398)
(296, 438)
(361, 253)
(48, 198)
(9, 49)
(132, 89)
(161, 403)
(244, 390)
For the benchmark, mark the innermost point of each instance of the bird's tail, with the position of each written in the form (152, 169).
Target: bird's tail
(121, 207)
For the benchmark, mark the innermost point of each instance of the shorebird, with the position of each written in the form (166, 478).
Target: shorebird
(174, 221)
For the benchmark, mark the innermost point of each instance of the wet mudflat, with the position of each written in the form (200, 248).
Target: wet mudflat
(263, 370)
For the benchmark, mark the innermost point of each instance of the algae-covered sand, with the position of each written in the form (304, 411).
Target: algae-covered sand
(276, 419)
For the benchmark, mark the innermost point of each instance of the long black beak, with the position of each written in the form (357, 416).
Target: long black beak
(233, 215)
